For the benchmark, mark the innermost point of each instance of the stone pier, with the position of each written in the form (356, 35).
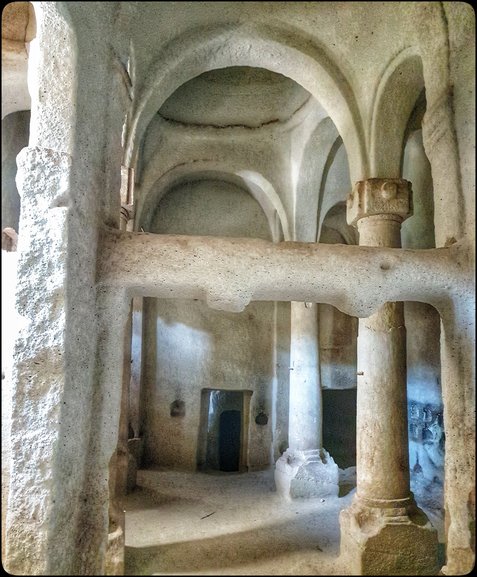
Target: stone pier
(305, 469)
(383, 532)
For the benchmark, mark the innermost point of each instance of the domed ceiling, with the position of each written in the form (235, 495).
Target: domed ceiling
(235, 96)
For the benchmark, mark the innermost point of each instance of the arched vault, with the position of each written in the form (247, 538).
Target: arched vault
(256, 184)
(254, 45)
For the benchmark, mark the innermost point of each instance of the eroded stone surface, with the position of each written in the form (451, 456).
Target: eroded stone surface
(305, 474)
(93, 72)
(387, 541)
(235, 271)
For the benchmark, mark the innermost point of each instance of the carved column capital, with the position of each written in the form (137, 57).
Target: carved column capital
(391, 197)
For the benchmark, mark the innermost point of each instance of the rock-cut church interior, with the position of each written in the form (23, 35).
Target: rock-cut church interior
(238, 291)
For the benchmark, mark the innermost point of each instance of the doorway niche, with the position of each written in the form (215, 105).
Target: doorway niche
(223, 434)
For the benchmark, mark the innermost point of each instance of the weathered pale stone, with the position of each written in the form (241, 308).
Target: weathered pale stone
(14, 138)
(9, 327)
(388, 538)
(135, 451)
(377, 196)
(306, 474)
(231, 272)
(383, 510)
(15, 96)
(39, 373)
(305, 469)
(304, 422)
(155, 48)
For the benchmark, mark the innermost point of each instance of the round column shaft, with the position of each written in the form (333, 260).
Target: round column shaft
(382, 445)
(377, 208)
(383, 520)
(304, 429)
(305, 469)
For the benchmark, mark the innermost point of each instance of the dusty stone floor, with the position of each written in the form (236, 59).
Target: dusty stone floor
(228, 524)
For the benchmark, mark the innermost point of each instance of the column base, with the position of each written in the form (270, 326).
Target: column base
(388, 538)
(310, 473)
(114, 558)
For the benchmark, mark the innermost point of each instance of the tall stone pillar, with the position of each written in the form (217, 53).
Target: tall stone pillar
(118, 468)
(118, 465)
(305, 469)
(383, 532)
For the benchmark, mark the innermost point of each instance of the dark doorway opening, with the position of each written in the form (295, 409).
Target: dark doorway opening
(223, 433)
(339, 425)
(229, 440)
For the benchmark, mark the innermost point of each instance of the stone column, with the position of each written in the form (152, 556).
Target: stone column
(305, 469)
(118, 467)
(119, 463)
(383, 532)
(45, 471)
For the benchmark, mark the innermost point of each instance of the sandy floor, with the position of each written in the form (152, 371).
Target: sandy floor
(228, 524)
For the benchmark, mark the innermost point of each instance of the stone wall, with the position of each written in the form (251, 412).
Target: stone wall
(93, 68)
(190, 347)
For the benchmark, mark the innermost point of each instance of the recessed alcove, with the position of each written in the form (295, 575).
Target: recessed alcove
(224, 430)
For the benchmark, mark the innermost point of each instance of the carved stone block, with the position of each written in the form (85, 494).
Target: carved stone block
(389, 196)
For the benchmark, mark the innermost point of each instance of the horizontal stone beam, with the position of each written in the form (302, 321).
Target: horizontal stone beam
(230, 272)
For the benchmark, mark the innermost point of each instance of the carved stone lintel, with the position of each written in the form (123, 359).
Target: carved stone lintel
(376, 196)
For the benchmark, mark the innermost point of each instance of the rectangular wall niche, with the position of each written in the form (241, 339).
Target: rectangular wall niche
(223, 433)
